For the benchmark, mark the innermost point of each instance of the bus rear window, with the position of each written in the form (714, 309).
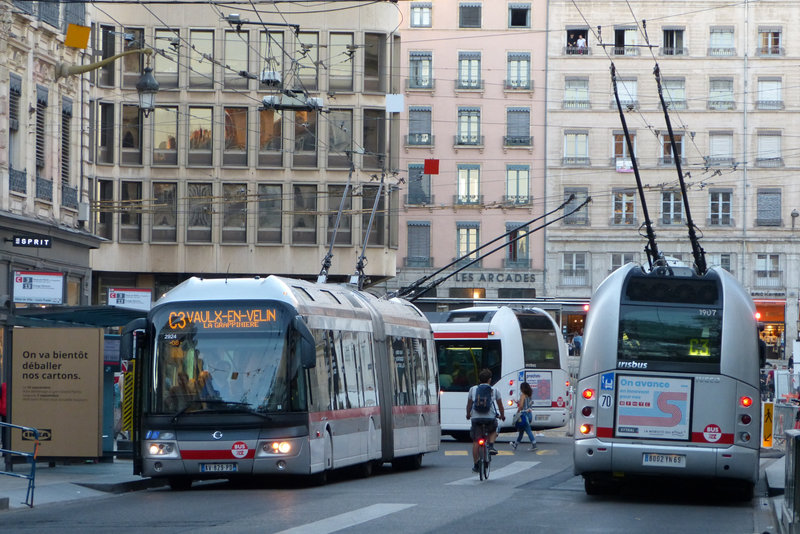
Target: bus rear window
(460, 361)
(669, 337)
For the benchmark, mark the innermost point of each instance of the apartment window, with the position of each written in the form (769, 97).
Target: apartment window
(375, 63)
(340, 62)
(671, 207)
(237, 54)
(720, 208)
(270, 138)
(271, 58)
(769, 93)
(769, 39)
(305, 139)
(165, 135)
(234, 213)
(165, 63)
(468, 185)
(519, 15)
(235, 148)
(517, 184)
(627, 89)
(469, 126)
(672, 43)
(340, 138)
(421, 14)
(304, 214)
(666, 148)
(518, 127)
(576, 41)
(674, 90)
(66, 147)
(199, 211)
(15, 137)
(131, 135)
(270, 213)
(201, 59)
(720, 148)
(768, 210)
(576, 148)
(469, 15)
(41, 132)
(720, 94)
(519, 70)
(165, 212)
(201, 134)
(769, 149)
(374, 136)
(132, 64)
(337, 198)
(573, 269)
(467, 240)
(419, 244)
(419, 185)
(578, 217)
(469, 70)
(768, 270)
(107, 47)
(377, 235)
(721, 41)
(419, 125)
(622, 157)
(624, 206)
(420, 70)
(723, 260)
(517, 249)
(104, 214)
(130, 220)
(106, 133)
(625, 40)
(618, 259)
(576, 93)
(307, 61)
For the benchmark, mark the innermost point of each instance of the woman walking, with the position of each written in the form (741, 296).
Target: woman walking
(524, 408)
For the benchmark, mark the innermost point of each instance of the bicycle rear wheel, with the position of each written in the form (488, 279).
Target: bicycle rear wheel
(482, 462)
(487, 462)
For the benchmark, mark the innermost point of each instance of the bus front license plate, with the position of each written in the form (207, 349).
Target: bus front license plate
(665, 460)
(217, 468)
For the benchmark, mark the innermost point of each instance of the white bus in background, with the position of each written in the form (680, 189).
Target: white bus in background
(516, 345)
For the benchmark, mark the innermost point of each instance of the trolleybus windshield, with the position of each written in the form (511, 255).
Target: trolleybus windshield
(224, 358)
(668, 337)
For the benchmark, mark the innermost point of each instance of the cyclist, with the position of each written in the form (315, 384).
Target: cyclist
(489, 418)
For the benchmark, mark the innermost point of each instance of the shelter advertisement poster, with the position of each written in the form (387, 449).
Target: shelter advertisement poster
(57, 388)
(653, 407)
(540, 382)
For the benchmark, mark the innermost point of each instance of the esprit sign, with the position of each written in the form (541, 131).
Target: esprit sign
(31, 241)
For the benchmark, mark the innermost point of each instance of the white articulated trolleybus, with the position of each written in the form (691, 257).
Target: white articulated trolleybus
(262, 376)
(516, 345)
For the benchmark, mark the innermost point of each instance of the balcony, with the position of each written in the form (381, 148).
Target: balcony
(17, 181)
(771, 279)
(418, 200)
(69, 197)
(417, 261)
(577, 51)
(766, 51)
(669, 160)
(677, 105)
(518, 85)
(419, 139)
(516, 200)
(420, 84)
(769, 162)
(769, 104)
(722, 51)
(721, 105)
(44, 189)
(468, 200)
(574, 277)
(674, 51)
(468, 140)
(469, 85)
(518, 140)
(576, 104)
(517, 263)
(630, 105)
(461, 262)
(575, 161)
(625, 51)
(719, 161)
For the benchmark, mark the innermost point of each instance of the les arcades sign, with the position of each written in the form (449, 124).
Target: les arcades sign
(31, 241)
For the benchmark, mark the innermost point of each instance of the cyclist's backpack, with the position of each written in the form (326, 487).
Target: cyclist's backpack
(484, 395)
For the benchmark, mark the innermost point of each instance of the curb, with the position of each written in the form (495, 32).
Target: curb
(125, 487)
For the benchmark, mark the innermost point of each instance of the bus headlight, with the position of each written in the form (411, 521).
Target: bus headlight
(162, 449)
(275, 448)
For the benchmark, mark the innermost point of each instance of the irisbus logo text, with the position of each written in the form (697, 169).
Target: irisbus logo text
(631, 365)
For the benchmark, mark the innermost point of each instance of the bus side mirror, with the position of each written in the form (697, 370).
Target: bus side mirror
(126, 341)
(308, 351)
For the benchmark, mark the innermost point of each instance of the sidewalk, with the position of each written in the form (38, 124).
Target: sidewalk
(68, 482)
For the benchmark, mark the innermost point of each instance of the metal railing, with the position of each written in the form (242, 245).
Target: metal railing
(30, 457)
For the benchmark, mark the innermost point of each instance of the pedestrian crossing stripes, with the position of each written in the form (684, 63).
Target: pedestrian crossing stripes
(511, 469)
(348, 519)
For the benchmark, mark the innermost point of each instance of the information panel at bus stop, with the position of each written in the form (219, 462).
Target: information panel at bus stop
(56, 388)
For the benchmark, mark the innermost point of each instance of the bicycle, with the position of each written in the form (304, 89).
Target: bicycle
(484, 457)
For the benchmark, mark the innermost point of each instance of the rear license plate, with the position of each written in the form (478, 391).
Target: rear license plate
(541, 417)
(217, 468)
(665, 460)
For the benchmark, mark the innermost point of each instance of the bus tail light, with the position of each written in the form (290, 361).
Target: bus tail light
(511, 402)
(745, 401)
(587, 411)
(746, 419)
(511, 383)
(567, 384)
(588, 393)
(744, 436)
(585, 429)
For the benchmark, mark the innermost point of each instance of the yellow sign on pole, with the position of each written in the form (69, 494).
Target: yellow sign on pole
(766, 427)
(77, 36)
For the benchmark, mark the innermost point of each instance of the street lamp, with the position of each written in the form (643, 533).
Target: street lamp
(147, 87)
